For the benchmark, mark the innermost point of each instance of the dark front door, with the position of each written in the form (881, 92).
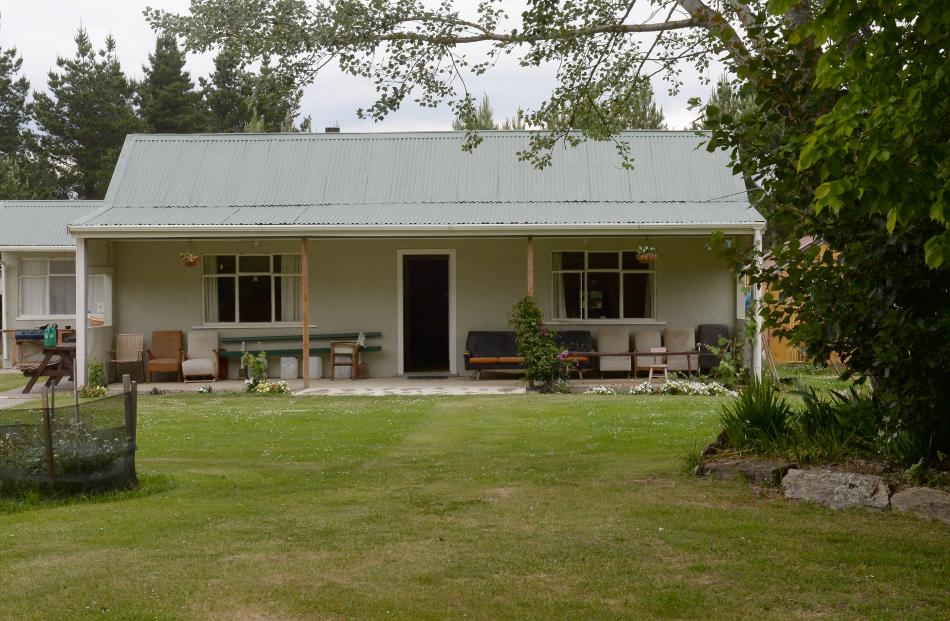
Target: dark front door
(425, 300)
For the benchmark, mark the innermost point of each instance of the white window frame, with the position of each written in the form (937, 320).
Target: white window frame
(584, 273)
(21, 277)
(237, 295)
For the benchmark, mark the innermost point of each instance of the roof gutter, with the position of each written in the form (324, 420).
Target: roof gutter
(292, 230)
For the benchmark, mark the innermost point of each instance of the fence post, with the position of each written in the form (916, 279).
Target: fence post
(48, 435)
(130, 389)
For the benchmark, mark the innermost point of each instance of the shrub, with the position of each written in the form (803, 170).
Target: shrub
(96, 374)
(757, 419)
(91, 391)
(256, 369)
(730, 371)
(600, 390)
(272, 388)
(536, 344)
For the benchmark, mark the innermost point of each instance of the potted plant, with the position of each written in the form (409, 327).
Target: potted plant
(189, 259)
(646, 254)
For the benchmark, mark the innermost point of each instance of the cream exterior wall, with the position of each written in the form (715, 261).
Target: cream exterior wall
(353, 285)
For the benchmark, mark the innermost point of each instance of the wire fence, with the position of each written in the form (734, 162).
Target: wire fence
(70, 447)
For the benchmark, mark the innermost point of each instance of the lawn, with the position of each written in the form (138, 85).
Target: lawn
(11, 379)
(422, 508)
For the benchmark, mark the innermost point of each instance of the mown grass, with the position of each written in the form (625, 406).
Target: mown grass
(10, 379)
(798, 376)
(426, 508)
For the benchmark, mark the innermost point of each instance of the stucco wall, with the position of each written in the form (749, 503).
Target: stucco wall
(354, 285)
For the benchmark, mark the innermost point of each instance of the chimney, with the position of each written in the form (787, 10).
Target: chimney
(332, 130)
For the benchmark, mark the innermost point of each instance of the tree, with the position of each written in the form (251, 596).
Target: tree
(722, 106)
(167, 100)
(15, 107)
(86, 117)
(483, 117)
(845, 137)
(239, 100)
(227, 93)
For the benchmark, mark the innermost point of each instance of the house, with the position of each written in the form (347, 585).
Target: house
(408, 237)
(38, 269)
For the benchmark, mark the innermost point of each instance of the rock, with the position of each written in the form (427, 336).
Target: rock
(837, 490)
(924, 502)
(758, 471)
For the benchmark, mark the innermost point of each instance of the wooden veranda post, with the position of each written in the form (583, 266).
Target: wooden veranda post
(530, 267)
(305, 300)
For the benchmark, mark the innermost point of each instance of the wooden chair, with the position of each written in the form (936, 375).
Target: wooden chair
(165, 354)
(344, 354)
(656, 365)
(129, 349)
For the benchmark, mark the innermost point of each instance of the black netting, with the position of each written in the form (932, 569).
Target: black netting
(88, 445)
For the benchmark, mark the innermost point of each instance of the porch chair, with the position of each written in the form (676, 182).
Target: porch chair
(657, 365)
(681, 340)
(201, 359)
(645, 340)
(165, 354)
(614, 339)
(344, 354)
(129, 349)
(709, 334)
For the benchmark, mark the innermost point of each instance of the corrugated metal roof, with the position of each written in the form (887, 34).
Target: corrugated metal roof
(41, 223)
(408, 179)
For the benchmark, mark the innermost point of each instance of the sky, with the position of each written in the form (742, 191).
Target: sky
(43, 29)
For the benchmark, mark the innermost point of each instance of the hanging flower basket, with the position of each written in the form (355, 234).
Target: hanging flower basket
(646, 254)
(188, 259)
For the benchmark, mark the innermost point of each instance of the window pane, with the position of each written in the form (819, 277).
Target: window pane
(637, 296)
(254, 295)
(630, 262)
(32, 295)
(287, 298)
(603, 260)
(603, 295)
(220, 264)
(567, 296)
(62, 267)
(219, 300)
(33, 267)
(568, 260)
(254, 263)
(62, 295)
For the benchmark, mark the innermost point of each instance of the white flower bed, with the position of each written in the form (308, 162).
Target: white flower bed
(692, 388)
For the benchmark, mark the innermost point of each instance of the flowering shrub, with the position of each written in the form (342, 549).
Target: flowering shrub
(646, 388)
(272, 388)
(256, 367)
(90, 391)
(600, 390)
(205, 390)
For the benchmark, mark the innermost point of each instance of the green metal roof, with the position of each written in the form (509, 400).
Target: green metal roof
(34, 223)
(416, 180)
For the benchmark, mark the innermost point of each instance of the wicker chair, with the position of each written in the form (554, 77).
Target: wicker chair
(165, 354)
(128, 350)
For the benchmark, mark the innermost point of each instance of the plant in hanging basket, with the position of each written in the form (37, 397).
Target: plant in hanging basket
(188, 259)
(646, 254)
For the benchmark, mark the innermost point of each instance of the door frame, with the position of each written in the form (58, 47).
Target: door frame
(400, 351)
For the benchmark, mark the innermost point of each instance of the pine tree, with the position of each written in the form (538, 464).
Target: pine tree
(86, 117)
(168, 102)
(227, 94)
(275, 102)
(15, 108)
(481, 118)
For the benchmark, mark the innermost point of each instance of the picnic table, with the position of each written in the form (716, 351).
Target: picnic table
(58, 362)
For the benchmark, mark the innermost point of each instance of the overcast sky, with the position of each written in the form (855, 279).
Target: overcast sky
(43, 29)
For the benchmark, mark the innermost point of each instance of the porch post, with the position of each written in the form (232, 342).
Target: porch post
(756, 303)
(305, 300)
(530, 267)
(82, 321)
